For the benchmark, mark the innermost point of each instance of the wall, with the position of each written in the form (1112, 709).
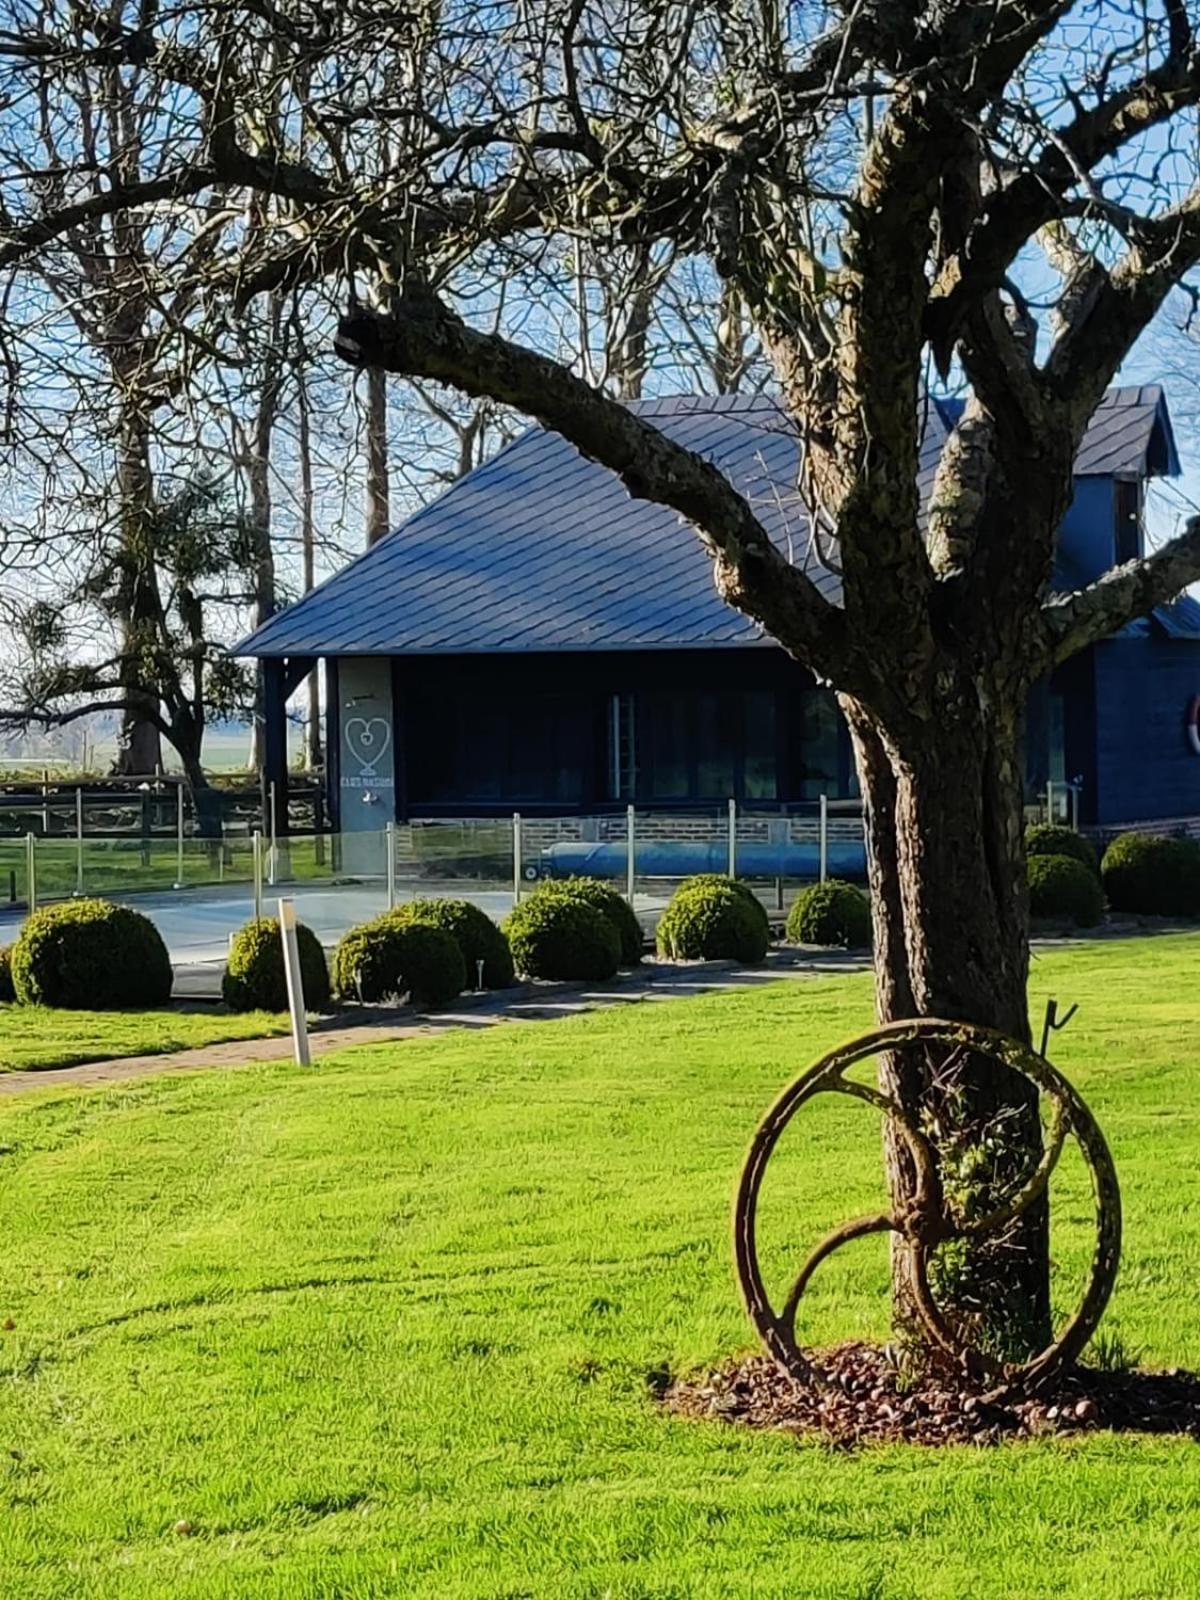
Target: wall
(366, 764)
(1086, 537)
(1145, 766)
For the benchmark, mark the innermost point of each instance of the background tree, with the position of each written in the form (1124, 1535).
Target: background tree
(873, 189)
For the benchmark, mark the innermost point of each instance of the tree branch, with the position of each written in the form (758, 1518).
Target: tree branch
(424, 339)
(1070, 622)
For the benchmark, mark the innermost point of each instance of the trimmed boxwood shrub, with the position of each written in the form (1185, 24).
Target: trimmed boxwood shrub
(1048, 839)
(724, 881)
(1152, 873)
(254, 976)
(831, 913)
(477, 936)
(393, 957)
(7, 993)
(90, 954)
(595, 892)
(1062, 887)
(561, 936)
(710, 919)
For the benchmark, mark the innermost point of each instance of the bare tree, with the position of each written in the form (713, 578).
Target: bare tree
(867, 185)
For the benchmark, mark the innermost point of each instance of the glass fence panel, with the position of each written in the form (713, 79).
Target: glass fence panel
(452, 857)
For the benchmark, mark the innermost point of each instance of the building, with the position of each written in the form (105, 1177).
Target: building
(537, 640)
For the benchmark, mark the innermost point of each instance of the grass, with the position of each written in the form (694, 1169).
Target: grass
(35, 1038)
(386, 1328)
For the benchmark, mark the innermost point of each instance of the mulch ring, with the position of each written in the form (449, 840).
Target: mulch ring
(860, 1402)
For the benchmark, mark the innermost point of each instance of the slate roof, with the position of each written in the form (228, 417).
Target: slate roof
(540, 549)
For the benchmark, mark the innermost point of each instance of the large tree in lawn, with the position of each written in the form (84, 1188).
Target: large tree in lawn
(874, 186)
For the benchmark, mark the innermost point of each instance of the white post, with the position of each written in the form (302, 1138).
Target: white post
(79, 840)
(824, 837)
(31, 872)
(630, 868)
(256, 853)
(179, 835)
(516, 826)
(389, 833)
(271, 852)
(295, 983)
(732, 837)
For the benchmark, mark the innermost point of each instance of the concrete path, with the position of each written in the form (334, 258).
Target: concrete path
(533, 1002)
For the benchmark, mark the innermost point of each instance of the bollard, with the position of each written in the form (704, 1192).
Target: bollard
(295, 982)
(630, 870)
(256, 852)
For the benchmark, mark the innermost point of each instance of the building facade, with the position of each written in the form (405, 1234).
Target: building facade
(537, 640)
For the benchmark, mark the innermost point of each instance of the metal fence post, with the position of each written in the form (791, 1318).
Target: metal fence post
(271, 855)
(824, 837)
(732, 837)
(79, 841)
(256, 853)
(1049, 799)
(630, 866)
(31, 872)
(390, 846)
(179, 836)
(516, 844)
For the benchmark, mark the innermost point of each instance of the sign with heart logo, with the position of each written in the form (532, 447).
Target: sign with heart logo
(368, 740)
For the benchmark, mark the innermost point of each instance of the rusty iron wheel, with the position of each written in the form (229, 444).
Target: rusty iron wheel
(925, 1225)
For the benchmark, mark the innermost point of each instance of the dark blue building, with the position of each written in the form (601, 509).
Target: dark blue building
(538, 640)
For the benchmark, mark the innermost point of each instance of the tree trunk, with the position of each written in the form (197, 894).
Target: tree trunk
(943, 803)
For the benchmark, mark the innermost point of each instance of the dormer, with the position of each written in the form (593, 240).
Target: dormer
(1128, 442)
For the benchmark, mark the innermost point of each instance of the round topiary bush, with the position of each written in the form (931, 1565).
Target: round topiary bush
(90, 954)
(254, 975)
(1154, 874)
(723, 881)
(1063, 888)
(1048, 839)
(710, 919)
(561, 936)
(7, 993)
(605, 899)
(831, 913)
(477, 936)
(395, 958)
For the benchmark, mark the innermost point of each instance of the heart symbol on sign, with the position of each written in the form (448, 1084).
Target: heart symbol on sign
(367, 740)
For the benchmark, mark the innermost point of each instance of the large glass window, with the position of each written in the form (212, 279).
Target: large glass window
(820, 745)
(696, 745)
(469, 748)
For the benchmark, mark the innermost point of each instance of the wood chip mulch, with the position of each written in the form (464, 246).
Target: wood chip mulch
(860, 1402)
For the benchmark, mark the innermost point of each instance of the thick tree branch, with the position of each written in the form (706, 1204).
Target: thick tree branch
(1071, 622)
(423, 339)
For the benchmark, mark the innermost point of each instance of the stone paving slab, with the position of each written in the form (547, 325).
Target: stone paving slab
(533, 1002)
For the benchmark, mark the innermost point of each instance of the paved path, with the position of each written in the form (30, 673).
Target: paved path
(652, 981)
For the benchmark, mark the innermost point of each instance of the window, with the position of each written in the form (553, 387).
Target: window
(464, 748)
(693, 745)
(1127, 512)
(820, 745)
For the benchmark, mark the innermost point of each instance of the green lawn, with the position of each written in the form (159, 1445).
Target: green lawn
(385, 1327)
(38, 1037)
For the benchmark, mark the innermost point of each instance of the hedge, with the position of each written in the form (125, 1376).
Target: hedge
(396, 958)
(1154, 874)
(477, 936)
(710, 919)
(605, 899)
(830, 913)
(1048, 839)
(90, 955)
(562, 936)
(1064, 888)
(255, 979)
